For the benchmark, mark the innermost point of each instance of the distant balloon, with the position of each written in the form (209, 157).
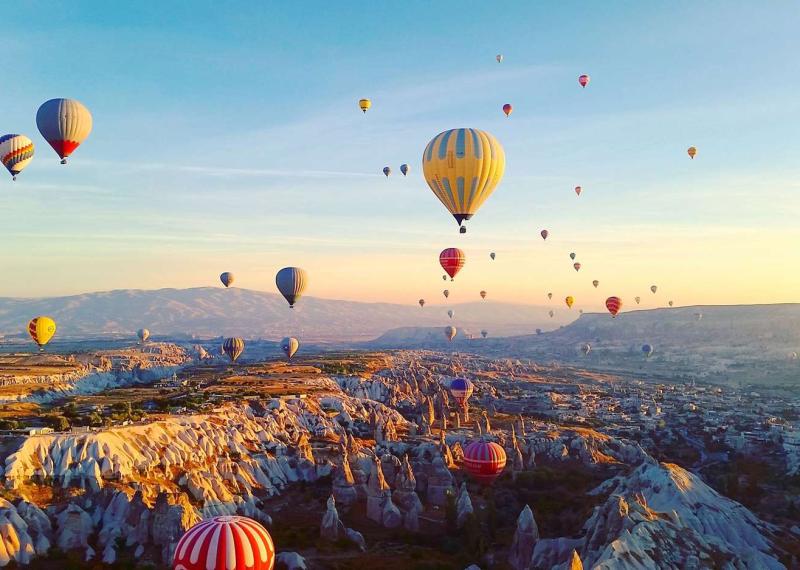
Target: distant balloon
(499, 58)
(613, 304)
(289, 346)
(551, 313)
(450, 333)
(653, 288)
(387, 171)
(462, 168)
(595, 283)
(450, 313)
(483, 294)
(65, 124)
(647, 349)
(452, 260)
(404, 169)
(637, 299)
(669, 303)
(578, 190)
(572, 256)
(16, 152)
(577, 266)
(444, 277)
(792, 356)
(143, 334)
(549, 295)
(41, 330)
(484, 461)
(364, 104)
(569, 301)
(233, 347)
(586, 348)
(421, 302)
(227, 278)
(484, 333)
(544, 234)
(446, 293)
(538, 331)
(291, 282)
(584, 80)
(698, 316)
(461, 389)
(692, 151)
(225, 543)
(493, 255)
(507, 109)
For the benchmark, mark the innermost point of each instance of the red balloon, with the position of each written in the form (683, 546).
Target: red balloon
(613, 304)
(577, 266)
(544, 234)
(584, 80)
(507, 108)
(225, 543)
(452, 260)
(578, 190)
(484, 461)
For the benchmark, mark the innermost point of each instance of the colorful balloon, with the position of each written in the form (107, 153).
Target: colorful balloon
(291, 282)
(404, 169)
(289, 346)
(65, 124)
(670, 303)
(549, 295)
(570, 300)
(578, 190)
(699, 316)
(463, 167)
(421, 302)
(647, 349)
(544, 234)
(461, 389)
(450, 333)
(41, 330)
(653, 288)
(233, 347)
(691, 151)
(452, 260)
(637, 299)
(446, 293)
(577, 266)
(507, 109)
(450, 313)
(226, 278)
(499, 58)
(16, 152)
(584, 80)
(143, 334)
(225, 543)
(613, 304)
(484, 461)
(596, 283)
(387, 171)
(484, 333)
(586, 348)
(364, 104)
(483, 294)
(551, 313)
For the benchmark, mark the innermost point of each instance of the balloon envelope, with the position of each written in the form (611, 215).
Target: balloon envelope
(291, 282)
(637, 299)
(499, 57)
(653, 288)
(647, 349)
(577, 266)
(16, 152)
(226, 278)
(421, 302)
(387, 171)
(226, 542)
(452, 260)
(584, 80)
(691, 151)
(446, 293)
(549, 295)
(613, 304)
(41, 330)
(544, 234)
(578, 190)
(404, 169)
(572, 256)
(595, 283)
(484, 461)
(461, 389)
(569, 301)
(364, 104)
(289, 346)
(64, 124)
(507, 109)
(450, 313)
(483, 294)
(484, 333)
(450, 332)
(493, 255)
(586, 348)
(233, 347)
(143, 334)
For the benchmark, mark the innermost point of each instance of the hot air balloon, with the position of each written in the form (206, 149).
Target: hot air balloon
(225, 543)
(691, 151)
(483, 294)
(653, 288)
(461, 389)
(450, 313)
(584, 80)
(577, 266)
(462, 168)
(444, 277)
(484, 461)
(446, 293)
(669, 303)
(233, 347)
(551, 313)
(493, 255)
(586, 348)
(450, 333)
(647, 349)
(143, 334)
(289, 346)
(16, 152)
(421, 302)
(544, 234)
(226, 278)
(578, 190)
(404, 169)
(637, 299)
(569, 301)
(549, 295)
(613, 304)
(484, 333)
(572, 256)
(364, 104)
(499, 58)
(387, 171)
(291, 282)
(595, 283)
(508, 109)
(65, 124)
(792, 355)
(41, 330)
(452, 260)
(698, 316)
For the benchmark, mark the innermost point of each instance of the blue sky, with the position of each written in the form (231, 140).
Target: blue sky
(229, 138)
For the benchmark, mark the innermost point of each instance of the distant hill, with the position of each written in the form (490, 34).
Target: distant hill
(209, 312)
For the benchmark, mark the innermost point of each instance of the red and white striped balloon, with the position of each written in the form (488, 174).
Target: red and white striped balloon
(484, 461)
(225, 543)
(452, 260)
(613, 304)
